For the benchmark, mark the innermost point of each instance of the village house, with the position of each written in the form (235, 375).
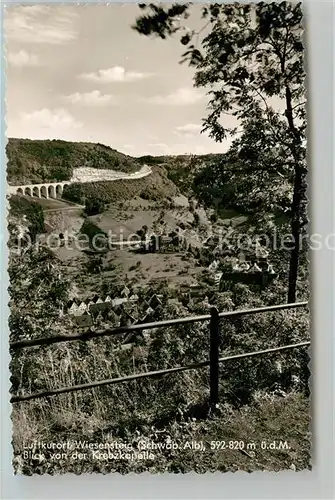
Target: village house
(83, 323)
(214, 266)
(125, 292)
(154, 301)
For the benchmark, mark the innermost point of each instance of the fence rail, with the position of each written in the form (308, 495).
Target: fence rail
(91, 334)
(213, 362)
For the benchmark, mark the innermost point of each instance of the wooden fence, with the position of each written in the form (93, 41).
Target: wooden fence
(214, 361)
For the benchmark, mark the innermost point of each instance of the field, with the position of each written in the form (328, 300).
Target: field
(127, 264)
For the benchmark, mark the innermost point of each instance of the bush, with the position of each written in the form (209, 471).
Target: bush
(91, 230)
(196, 219)
(74, 192)
(34, 214)
(94, 206)
(144, 195)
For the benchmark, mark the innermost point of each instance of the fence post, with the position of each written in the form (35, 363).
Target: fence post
(214, 355)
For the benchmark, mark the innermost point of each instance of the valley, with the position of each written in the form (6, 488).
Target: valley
(135, 250)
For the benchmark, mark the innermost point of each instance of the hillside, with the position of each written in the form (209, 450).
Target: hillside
(228, 182)
(37, 161)
(155, 186)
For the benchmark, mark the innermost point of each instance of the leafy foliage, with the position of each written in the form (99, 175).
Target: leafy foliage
(250, 58)
(38, 289)
(249, 178)
(151, 160)
(33, 212)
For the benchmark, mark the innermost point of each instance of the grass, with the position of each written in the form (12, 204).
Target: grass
(226, 440)
(172, 408)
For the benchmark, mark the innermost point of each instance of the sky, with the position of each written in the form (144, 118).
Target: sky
(80, 73)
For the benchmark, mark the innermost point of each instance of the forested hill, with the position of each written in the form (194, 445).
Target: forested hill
(37, 161)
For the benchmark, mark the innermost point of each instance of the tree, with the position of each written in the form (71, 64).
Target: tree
(38, 291)
(94, 206)
(196, 218)
(250, 177)
(142, 233)
(31, 212)
(251, 59)
(95, 265)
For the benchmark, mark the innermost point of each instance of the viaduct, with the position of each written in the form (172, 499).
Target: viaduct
(55, 189)
(46, 190)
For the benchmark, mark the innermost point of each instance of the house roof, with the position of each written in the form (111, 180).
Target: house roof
(154, 301)
(99, 306)
(84, 320)
(119, 301)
